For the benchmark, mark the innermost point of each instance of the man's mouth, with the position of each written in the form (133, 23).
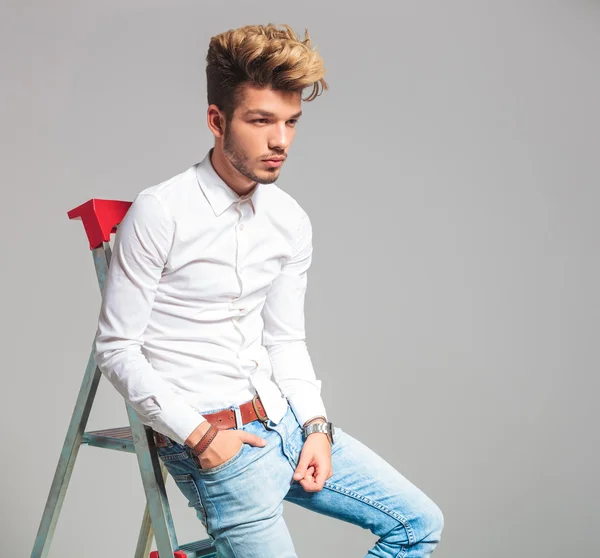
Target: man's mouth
(274, 162)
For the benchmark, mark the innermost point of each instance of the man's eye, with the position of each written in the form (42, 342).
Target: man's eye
(293, 121)
(261, 120)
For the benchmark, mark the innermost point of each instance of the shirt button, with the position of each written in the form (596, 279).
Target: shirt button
(241, 227)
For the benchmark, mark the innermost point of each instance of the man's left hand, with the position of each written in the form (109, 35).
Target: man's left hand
(314, 465)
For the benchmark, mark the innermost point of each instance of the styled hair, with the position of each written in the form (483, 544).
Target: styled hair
(263, 56)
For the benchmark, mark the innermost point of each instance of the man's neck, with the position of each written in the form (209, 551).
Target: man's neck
(239, 183)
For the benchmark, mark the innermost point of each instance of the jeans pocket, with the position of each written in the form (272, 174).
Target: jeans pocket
(222, 466)
(172, 454)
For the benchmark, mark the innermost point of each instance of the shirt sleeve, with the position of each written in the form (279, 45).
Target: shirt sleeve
(141, 247)
(284, 330)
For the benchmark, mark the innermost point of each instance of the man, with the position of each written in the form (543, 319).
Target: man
(202, 326)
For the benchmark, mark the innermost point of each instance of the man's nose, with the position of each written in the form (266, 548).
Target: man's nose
(280, 138)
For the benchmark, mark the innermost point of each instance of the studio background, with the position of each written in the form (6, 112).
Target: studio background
(451, 175)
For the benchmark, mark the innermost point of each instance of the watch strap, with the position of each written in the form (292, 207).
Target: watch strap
(323, 427)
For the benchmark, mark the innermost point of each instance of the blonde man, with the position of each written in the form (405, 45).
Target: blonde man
(202, 326)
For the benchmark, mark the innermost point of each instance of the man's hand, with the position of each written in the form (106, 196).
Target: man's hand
(314, 465)
(224, 445)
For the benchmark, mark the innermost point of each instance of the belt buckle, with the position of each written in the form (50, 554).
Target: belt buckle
(254, 406)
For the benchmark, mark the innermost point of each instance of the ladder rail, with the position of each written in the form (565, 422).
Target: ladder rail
(67, 459)
(157, 503)
(142, 549)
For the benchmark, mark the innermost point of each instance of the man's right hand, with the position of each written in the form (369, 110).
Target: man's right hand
(224, 445)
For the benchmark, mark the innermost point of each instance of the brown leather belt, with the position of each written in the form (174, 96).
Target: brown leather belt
(250, 411)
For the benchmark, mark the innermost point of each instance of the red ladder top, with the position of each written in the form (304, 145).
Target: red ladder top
(100, 218)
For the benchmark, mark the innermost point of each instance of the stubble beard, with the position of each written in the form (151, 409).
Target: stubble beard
(242, 163)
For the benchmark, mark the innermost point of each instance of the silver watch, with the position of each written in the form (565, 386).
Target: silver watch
(324, 427)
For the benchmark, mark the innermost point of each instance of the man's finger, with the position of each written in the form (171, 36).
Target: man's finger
(310, 485)
(320, 478)
(308, 481)
(310, 473)
(252, 439)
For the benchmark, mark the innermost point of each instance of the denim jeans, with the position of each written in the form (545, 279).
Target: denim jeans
(240, 502)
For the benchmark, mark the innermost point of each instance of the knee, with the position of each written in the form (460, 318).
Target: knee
(438, 518)
(431, 523)
(421, 529)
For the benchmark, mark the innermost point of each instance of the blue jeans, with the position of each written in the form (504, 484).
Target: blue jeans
(240, 502)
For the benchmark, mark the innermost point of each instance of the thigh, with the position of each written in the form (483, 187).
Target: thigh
(241, 501)
(366, 490)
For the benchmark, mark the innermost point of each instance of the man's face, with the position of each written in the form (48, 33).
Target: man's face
(257, 139)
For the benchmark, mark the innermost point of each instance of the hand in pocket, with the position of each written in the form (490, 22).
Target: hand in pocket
(226, 444)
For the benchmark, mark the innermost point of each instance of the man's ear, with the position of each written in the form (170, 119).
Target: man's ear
(215, 120)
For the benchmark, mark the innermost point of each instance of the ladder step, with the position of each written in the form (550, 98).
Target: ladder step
(198, 549)
(119, 439)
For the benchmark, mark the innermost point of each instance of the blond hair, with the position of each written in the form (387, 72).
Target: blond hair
(263, 56)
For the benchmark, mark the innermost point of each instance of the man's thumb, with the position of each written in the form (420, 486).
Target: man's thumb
(301, 468)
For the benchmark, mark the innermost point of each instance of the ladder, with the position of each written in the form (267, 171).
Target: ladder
(100, 218)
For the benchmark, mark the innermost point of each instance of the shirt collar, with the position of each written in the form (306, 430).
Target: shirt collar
(217, 192)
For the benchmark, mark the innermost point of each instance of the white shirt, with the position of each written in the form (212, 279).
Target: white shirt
(203, 304)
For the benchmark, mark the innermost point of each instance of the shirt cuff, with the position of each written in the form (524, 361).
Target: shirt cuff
(176, 422)
(307, 406)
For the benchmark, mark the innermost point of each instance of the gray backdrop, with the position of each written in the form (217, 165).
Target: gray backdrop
(451, 174)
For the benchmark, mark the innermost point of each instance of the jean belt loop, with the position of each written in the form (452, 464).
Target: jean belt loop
(238, 417)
